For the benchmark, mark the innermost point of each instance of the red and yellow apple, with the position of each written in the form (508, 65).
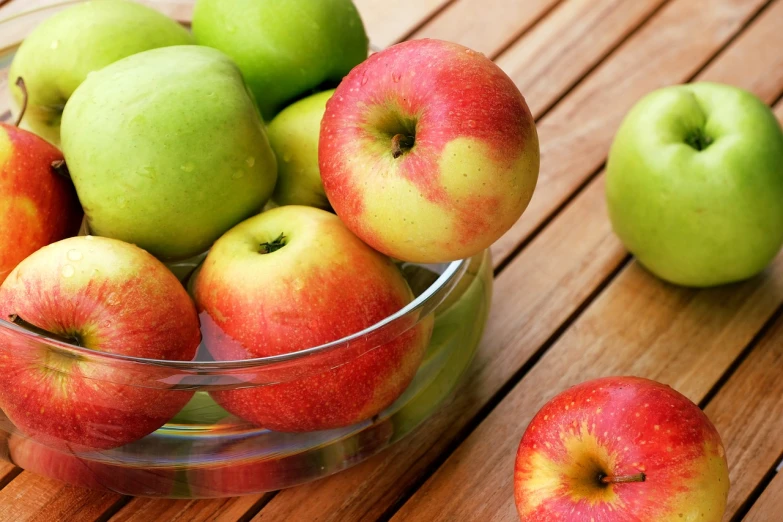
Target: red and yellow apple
(621, 448)
(428, 151)
(66, 466)
(104, 295)
(294, 278)
(37, 206)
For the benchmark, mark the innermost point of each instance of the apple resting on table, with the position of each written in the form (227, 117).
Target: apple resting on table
(428, 151)
(617, 449)
(60, 52)
(294, 278)
(167, 150)
(293, 135)
(103, 295)
(694, 184)
(285, 49)
(37, 206)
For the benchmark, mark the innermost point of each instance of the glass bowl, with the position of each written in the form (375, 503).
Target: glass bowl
(203, 451)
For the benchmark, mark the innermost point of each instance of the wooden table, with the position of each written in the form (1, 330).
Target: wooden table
(570, 304)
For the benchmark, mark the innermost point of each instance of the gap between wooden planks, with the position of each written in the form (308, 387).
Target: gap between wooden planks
(557, 270)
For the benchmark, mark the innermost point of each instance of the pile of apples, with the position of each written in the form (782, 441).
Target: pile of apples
(299, 168)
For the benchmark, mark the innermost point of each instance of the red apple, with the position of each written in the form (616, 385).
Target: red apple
(621, 449)
(293, 278)
(428, 151)
(37, 206)
(68, 467)
(104, 295)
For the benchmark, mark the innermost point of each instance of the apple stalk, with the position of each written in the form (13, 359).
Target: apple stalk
(622, 479)
(18, 321)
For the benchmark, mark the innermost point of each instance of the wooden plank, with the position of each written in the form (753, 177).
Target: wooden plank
(534, 295)
(638, 326)
(769, 506)
(553, 55)
(215, 510)
(486, 26)
(576, 134)
(748, 412)
(389, 22)
(33, 498)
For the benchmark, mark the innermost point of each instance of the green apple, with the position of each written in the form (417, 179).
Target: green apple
(59, 54)
(293, 135)
(167, 150)
(694, 184)
(284, 49)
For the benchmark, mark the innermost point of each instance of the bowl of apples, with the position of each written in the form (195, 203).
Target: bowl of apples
(239, 256)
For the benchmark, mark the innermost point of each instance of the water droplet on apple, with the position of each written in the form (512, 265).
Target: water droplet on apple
(55, 44)
(238, 174)
(250, 161)
(364, 79)
(122, 202)
(395, 77)
(147, 172)
(74, 255)
(89, 238)
(471, 123)
(188, 167)
(68, 271)
(286, 158)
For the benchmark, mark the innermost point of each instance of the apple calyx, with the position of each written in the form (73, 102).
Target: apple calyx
(698, 140)
(622, 479)
(73, 340)
(23, 87)
(61, 169)
(274, 245)
(401, 144)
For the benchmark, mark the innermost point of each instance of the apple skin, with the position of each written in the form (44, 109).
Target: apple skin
(284, 49)
(108, 296)
(293, 135)
(59, 53)
(37, 207)
(167, 150)
(621, 426)
(470, 172)
(66, 466)
(322, 285)
(698, 217)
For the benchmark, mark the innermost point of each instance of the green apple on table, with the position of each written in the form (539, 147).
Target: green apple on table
(284, 48)
(694, 184)
(293, 135)
(167, 150)
(59, 54)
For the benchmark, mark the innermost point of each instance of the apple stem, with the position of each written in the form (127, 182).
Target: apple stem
(23, 87)
(623, 479)
(273, 246)
(61, 169)
(14, 318)
(401, 143)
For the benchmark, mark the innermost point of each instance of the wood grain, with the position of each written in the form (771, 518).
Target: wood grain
(486, 26)
(33, 498)
(748, 412)
(389, 22)
(770, 504)
(576, 134)
(214, 510)
(559, 50)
